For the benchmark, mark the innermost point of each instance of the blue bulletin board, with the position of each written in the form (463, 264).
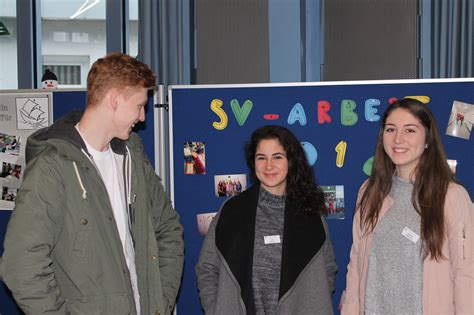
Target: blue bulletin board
(222, 117)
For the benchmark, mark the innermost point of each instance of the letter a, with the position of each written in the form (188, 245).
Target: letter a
(297, 114)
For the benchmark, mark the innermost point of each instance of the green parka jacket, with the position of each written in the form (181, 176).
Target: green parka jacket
(63, 253)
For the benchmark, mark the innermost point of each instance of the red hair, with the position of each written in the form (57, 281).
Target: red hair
(116, 70)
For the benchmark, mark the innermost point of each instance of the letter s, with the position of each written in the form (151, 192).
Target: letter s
(216, 107)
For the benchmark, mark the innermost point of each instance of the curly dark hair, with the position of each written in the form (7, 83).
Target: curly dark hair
(301, 186)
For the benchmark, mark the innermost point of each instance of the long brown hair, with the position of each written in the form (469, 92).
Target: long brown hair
(432, 176)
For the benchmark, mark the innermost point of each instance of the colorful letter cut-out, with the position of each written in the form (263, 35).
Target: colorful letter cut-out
(297, 114)
(367, 168)
(323, 108)
(341, 153)
(422, 98)
(348, 116)
(370, 111)
(311, 152)
(271, 116)
(216, 107)
(241, 113)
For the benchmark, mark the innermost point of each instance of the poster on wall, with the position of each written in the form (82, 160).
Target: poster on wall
(21, 114)
(334, 197)
(461, 120)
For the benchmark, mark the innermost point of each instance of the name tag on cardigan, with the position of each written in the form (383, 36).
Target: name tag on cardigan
(271, 239)
(412, 236)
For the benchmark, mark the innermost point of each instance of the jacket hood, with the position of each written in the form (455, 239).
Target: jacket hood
(61, 135)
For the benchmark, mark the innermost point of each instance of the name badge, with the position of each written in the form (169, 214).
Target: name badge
(412, 236)
(271, 239)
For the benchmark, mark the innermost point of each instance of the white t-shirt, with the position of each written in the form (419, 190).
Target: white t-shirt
(110, 166)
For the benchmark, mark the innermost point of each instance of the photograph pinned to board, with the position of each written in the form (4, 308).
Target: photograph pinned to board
(334, 196)
(229, 185)
(10, 175)
(452, 165)
(10, 180)
(10, 169)
(203, 222)
(9, 194)
(9, 144)
(461, 120)
(194, 157)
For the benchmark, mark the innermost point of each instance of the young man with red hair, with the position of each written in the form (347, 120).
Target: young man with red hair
(93, 231)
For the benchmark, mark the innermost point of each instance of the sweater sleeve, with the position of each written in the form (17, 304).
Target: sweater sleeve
(350, 297)
(459, 212)
(207, 270)
(30, 238)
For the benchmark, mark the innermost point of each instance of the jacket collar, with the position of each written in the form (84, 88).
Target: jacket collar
(235, 232)
(64, 129)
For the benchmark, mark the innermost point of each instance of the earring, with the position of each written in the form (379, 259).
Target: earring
(426, 146)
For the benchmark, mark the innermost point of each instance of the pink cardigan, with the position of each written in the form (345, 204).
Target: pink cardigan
(448, 285)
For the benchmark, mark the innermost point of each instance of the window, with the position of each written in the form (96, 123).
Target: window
(71, 70)
(133, 28)
(73, 37)
(8, 45)
(66, 74)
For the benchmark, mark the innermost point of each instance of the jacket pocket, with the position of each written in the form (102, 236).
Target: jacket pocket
(116, 304)
(82, 235)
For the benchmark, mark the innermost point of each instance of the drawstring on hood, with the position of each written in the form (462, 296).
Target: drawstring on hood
(63, 133)
(84, 191)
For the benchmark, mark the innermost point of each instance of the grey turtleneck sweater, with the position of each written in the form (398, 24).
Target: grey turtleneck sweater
(266, 267)
(395, 274)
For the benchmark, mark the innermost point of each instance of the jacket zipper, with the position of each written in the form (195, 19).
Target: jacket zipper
(128, 199)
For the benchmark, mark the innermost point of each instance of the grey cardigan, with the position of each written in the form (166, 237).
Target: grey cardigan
(225, 263)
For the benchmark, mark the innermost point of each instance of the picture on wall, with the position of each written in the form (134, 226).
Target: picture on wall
(10, 169)
(203, 222)
(229, 185)
(452, 165)
(194, 157)
(461, 120)
(334, 196)
(9, 194)
(32, 112)
(9, 144)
